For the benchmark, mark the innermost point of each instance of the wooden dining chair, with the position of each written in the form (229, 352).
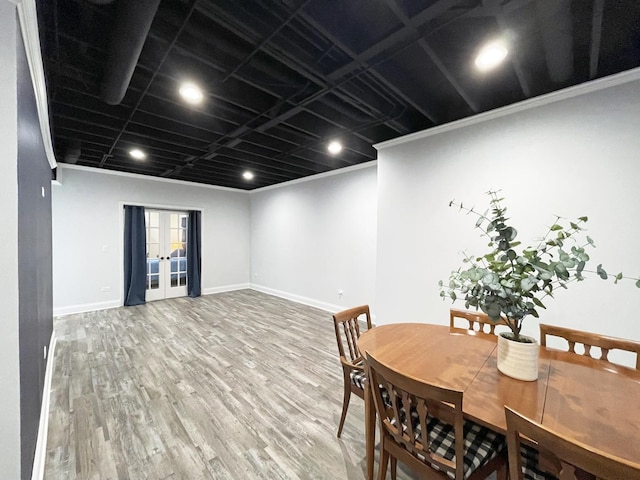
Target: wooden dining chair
(348, 325)
(588, 341)
(472, 321)
(558, 457)
(433, 439)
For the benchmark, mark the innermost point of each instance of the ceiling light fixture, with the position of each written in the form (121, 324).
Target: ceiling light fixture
(137, 154)
(248, 175)
(191, 93)
(334, 147)
(491, 55)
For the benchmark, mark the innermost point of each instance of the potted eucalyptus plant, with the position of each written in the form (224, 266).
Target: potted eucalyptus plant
(511, 282)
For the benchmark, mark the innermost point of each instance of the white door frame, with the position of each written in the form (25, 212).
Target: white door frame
(165, 287)
(157, 206)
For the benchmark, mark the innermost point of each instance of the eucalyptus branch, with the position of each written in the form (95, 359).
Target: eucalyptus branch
(510, 285)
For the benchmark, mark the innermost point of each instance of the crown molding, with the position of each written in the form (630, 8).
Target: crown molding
(567, 93)
(318, 176)
(103, 171)
(28, 17)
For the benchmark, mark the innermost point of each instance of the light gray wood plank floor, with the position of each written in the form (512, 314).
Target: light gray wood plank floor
(238, 385)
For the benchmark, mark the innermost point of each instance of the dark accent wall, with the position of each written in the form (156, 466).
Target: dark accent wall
(34, 262)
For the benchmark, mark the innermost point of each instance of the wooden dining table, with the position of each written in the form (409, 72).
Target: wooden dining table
(593, 401)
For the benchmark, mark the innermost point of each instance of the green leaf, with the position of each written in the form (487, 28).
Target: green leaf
(583, 219)
(590, 241)
(574, 226)
(479, 221)
(453, 295)
(638, 284)
(618, 277)
(538, 302)
(527, 284)
(601, 272)
(555, 227)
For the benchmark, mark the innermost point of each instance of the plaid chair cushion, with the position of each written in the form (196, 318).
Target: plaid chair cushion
(530, 468)
(358, 378)
(480, 444)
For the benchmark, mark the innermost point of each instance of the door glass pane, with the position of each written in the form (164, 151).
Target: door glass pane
(176, 240)
(185, 241)
(152, 222)
(154, 235)
(153, 250)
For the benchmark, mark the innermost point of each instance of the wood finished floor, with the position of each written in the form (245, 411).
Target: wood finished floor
(238, 385)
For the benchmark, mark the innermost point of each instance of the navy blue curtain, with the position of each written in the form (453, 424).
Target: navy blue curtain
(135, 256)
(194, 261)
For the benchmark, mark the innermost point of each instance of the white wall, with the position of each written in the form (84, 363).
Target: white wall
(313, 238)
(87, 234)
(9, 358)
(570, 157)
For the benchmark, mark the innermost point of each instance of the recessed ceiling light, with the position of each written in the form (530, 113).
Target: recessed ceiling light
(191, 93)
(334, 147)
(248, 175)
(137, 154)
(491, 55)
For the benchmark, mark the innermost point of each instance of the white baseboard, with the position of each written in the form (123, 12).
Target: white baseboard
(41, 444)
(86, 307)
(226, 288)
(329, 307)
(92, 307)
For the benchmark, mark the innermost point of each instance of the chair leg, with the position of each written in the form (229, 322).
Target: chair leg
(345, 407)
(503, 472)
(384, 460)
(394, 466)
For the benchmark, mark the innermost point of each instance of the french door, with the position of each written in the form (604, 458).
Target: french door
(167, 244)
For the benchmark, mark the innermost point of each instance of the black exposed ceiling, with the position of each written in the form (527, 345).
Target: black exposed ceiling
(284, 77)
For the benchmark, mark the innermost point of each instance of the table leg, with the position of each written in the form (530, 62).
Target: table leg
(369, 429)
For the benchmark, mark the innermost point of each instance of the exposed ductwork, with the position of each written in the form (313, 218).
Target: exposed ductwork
(556, 28)
(72, 154)
(133, 21)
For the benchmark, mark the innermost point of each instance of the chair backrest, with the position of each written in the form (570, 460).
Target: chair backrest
(562, 457)
(411, 432)
(348, 325)
(473, 321)
(589, 340)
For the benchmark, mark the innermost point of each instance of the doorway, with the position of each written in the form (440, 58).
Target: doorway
(167, 244)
